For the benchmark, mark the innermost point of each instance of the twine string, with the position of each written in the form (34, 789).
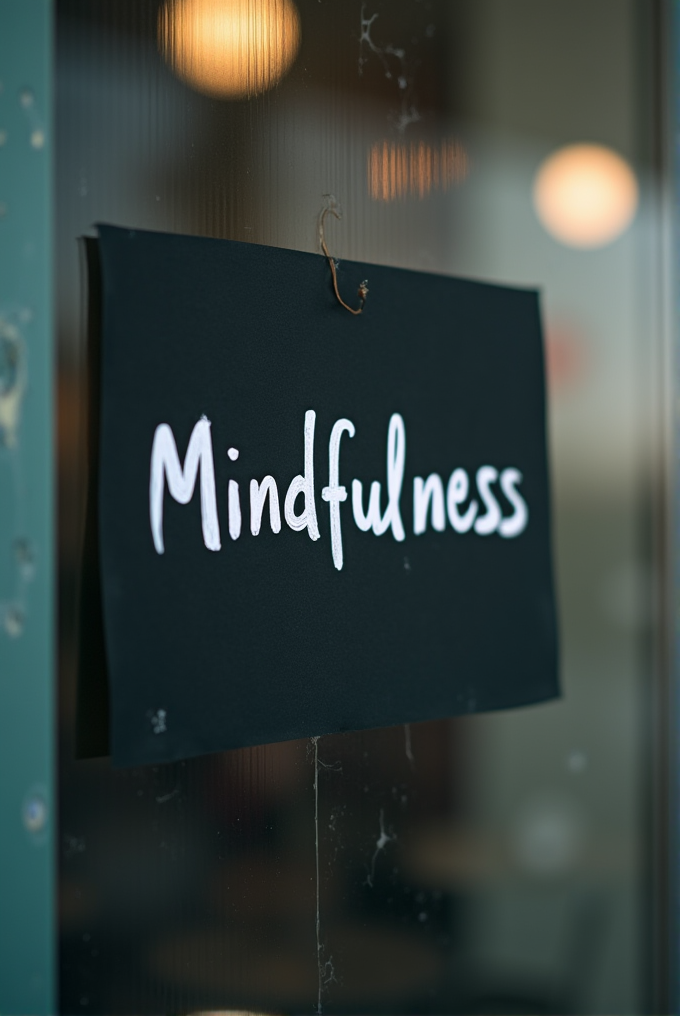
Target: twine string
(363, 286)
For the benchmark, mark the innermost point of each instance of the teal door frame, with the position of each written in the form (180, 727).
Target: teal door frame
(27, 560)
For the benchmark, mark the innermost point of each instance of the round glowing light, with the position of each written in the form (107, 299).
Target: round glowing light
(585, 195)
(230, 49)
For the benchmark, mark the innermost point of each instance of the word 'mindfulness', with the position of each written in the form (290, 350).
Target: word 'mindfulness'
(430, 498)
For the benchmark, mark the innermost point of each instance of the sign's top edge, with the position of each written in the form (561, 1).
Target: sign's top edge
(105, 227)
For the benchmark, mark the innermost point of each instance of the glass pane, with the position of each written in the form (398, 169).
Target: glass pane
(495, 863)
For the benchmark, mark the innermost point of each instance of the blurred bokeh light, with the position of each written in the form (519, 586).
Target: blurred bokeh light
(229, 49)
(585, 195)
(397, 170)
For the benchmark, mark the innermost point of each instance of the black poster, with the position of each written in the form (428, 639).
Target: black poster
(310, 521)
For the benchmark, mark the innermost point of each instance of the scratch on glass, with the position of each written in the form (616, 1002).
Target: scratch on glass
(383, 839)
(325, 968)
(395, 66)
(407, 745)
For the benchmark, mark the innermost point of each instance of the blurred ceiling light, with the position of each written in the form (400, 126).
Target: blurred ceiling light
(397, 170)
(230, 49)
(585, 195)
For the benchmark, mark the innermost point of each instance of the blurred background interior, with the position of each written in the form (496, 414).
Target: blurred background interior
(507, 863)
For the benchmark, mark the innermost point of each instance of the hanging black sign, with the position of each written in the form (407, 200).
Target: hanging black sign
(310, 521)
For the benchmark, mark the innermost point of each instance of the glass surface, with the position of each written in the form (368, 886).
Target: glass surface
(491, 864)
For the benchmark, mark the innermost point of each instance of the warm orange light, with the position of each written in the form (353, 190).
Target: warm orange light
(231, 49)
(397, 170)
(585, 195)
